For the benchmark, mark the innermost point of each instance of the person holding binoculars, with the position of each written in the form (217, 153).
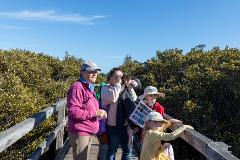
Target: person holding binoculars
(116, 94)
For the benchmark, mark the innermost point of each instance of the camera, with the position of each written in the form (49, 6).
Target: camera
(126, 77)
(135, 82)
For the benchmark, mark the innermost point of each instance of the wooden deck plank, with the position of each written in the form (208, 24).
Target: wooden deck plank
(94, 152)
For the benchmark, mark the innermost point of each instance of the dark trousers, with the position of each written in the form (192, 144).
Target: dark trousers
(118, 136)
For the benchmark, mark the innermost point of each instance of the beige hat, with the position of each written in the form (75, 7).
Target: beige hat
(155, 116)
(149, 90)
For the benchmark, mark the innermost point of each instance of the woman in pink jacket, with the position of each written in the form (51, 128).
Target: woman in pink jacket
(83, 111)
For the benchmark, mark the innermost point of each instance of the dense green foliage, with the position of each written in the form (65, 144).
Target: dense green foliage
(202, 88)
(28, 83)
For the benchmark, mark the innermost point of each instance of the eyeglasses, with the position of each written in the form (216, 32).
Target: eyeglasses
(118, 76)
(92, 72)
(152, 95)
(157, 122)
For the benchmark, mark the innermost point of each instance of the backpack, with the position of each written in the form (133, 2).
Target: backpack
(102, 134)
(102, 122)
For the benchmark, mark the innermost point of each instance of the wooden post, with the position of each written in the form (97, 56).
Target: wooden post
(63, 151)
(60, 135)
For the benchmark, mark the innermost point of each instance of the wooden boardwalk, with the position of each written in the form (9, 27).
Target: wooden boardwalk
(210, 149)
(94, 152)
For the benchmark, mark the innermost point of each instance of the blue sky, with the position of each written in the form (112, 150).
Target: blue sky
(106, 31)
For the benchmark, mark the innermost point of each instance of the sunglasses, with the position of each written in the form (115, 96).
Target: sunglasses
(92, 72)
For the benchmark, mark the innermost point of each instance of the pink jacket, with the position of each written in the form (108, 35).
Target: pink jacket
(82, 106)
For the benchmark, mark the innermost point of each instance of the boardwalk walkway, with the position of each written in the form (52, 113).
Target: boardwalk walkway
(212, 150)
(95, 149)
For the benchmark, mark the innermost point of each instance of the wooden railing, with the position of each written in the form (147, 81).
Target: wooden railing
(210, 149)
(13, 134)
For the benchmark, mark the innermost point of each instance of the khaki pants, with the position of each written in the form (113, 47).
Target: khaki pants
(80, 145)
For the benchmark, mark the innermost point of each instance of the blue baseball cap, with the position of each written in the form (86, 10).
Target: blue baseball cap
(89, 66)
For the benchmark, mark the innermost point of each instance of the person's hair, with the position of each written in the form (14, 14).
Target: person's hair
(112, 71)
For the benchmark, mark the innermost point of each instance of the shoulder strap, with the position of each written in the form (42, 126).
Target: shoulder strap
(100, 97)
(100, 101)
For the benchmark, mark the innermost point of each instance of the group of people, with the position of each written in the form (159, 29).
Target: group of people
(118, 98)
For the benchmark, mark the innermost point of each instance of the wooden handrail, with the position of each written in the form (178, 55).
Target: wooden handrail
(210, 149)
(13, 134)
(45, 144)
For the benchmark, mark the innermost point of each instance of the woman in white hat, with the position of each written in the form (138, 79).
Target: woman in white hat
(149, 98)
(154, 132)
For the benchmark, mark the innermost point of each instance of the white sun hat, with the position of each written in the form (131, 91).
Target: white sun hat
(150, 90)
(155, 116)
